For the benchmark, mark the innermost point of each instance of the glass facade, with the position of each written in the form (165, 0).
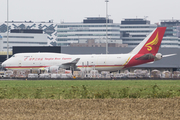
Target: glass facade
(81, 32)
(22, 39)
(19, 37)
(86, 26)
(19, 42)
(172, 34)
(133, 31)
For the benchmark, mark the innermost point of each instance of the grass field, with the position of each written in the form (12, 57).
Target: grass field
(68, 99)
(88, 89)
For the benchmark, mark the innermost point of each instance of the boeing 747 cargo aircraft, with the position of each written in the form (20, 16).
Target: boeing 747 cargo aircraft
(145, 52)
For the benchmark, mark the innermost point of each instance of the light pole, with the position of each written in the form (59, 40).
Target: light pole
(7, 30)
(106, 26)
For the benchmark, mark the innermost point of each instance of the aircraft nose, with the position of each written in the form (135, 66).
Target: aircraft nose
(3, 65)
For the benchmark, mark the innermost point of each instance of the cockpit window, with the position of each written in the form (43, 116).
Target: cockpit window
(13, 56)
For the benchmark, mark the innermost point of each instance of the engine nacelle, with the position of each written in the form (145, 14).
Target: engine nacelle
(53, 68)
(158, 56)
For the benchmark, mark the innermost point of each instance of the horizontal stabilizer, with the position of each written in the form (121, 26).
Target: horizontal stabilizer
(150, 62)
(146, 57)
(169, 55)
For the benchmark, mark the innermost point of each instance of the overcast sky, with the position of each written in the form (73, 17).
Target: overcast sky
(77, 10)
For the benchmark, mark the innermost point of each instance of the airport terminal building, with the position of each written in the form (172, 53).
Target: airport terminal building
(130, 31)
(22, 38)
(92, 28)
(133, 31)
(48, 28)
(172, 35)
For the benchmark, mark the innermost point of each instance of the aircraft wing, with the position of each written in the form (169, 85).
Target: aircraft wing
(151, 56)
(71, 65)
(73, 62)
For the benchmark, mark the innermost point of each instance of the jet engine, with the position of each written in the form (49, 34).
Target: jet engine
(158, 56)
(53, 68)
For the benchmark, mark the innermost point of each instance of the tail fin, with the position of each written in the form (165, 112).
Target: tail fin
(151, 43)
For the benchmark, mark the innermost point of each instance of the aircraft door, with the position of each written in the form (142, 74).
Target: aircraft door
(93, 62)
(20, 63)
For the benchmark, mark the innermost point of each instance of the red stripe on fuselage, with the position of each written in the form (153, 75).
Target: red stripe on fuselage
(100, 65)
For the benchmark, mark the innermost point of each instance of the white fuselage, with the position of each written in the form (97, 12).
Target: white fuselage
(100, 62)
(145, 52)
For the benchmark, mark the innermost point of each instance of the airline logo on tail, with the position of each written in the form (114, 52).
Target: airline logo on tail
(145, 52)
(153, 42)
